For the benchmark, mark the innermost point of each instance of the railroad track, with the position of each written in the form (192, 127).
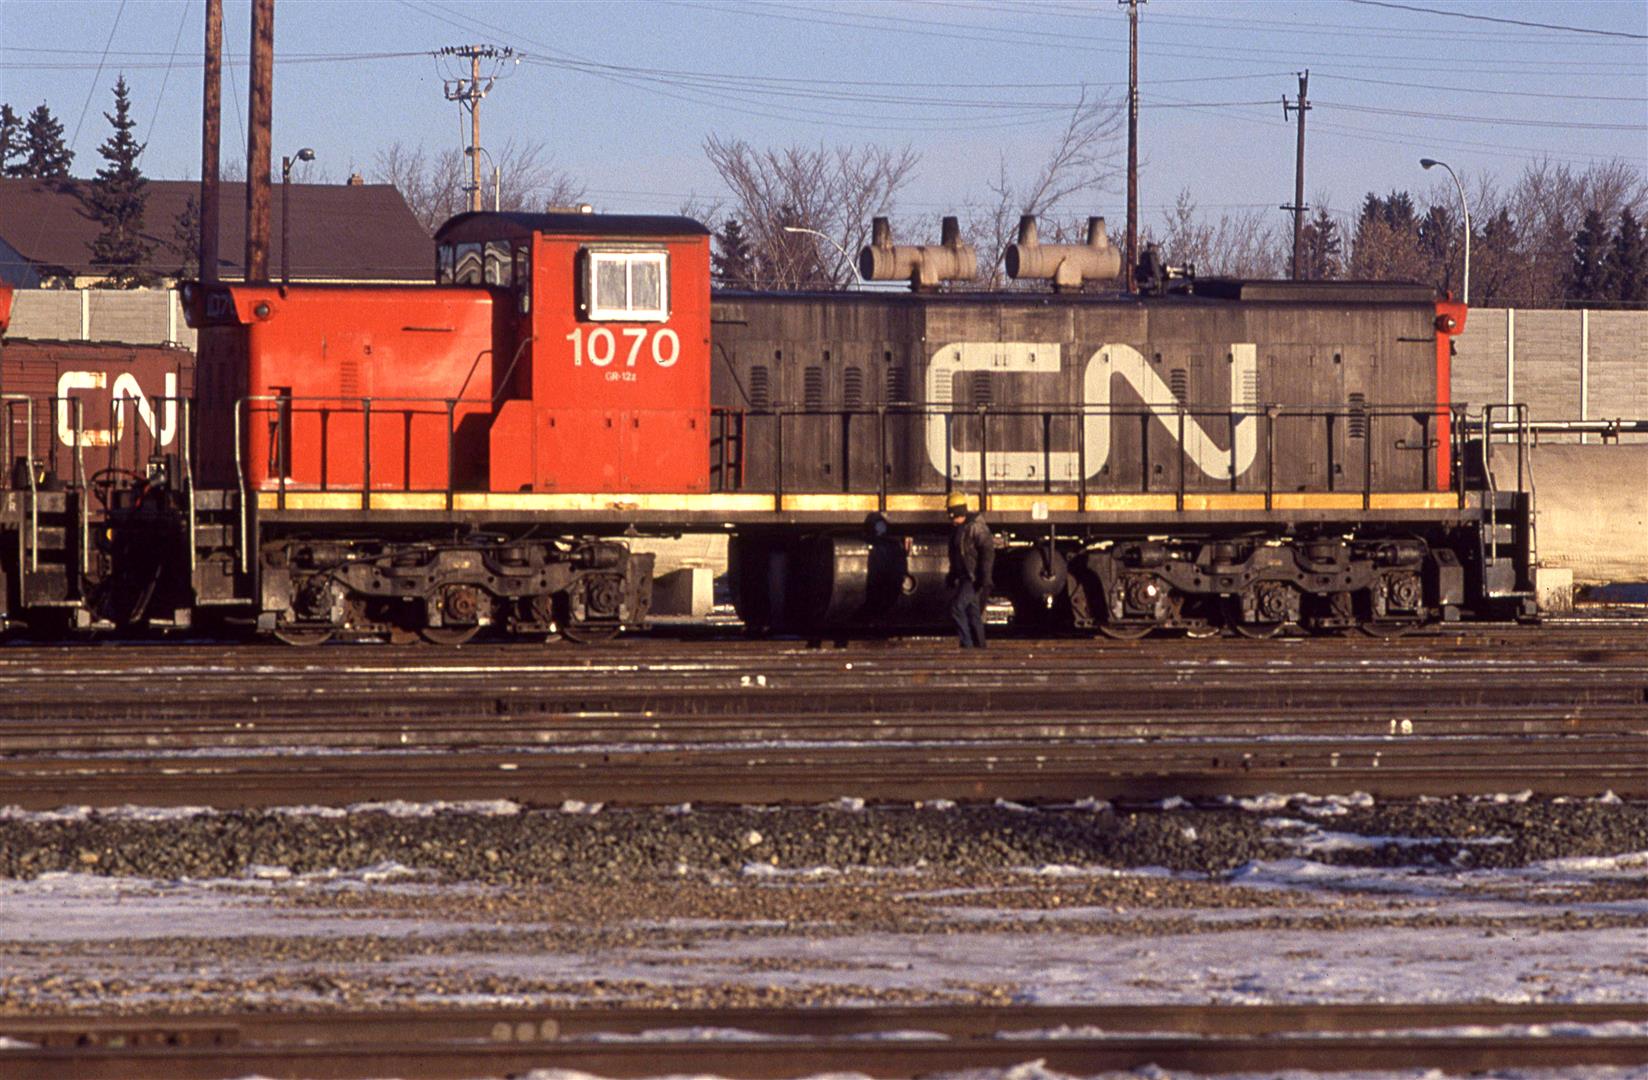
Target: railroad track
(882, 1042)
(665, 721)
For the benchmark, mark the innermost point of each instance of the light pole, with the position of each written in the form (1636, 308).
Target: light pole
(305, 154)
(846, 258)
(497, 179)
(1466, 208)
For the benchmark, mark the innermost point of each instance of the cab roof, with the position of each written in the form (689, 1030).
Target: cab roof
(479, 225)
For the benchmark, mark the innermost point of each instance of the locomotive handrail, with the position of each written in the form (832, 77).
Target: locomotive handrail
(28, 540)
(1372, 419)
(287, 406)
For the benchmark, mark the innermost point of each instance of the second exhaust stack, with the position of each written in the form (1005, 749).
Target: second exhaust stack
(1068, 266)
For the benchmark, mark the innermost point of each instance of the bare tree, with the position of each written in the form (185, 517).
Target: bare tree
(1549, 203)
(833, 191)
(1246, 244)
(1081, 161)
(435, 186)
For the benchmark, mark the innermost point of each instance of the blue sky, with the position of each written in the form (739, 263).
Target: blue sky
(624, 93)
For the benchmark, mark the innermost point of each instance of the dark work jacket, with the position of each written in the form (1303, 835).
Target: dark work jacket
(972, 554)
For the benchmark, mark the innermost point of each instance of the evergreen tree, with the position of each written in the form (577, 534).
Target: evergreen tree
(732, 259)
(1497, 262)
(1436, 245)
(116, 198)
(45, 155)
(1625, 265)
(1322, 254)
(1386, 245)
(185, 241)
(1585, 270)
(11, 141)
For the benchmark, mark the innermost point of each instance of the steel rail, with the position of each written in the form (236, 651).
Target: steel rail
(454, 730)
(791, 1042)
(898, 774)
(546, 1023)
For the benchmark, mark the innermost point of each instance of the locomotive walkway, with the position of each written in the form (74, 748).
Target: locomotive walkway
(886, 1041)
(656, 721)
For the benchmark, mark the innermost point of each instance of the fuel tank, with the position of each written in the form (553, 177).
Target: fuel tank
(824, 582)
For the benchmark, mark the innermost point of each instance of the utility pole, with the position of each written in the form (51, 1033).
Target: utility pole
(261, 109)
(1298, 206)
(211, 134)
(1131, 260)
(468, 94)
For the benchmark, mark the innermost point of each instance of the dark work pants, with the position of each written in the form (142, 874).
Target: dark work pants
(966, 607)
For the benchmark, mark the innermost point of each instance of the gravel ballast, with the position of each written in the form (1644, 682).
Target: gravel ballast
(554, 846)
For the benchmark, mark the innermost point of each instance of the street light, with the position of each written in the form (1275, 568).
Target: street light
(1466, 207)
(305, 154)
(497, 179)
(846, 258)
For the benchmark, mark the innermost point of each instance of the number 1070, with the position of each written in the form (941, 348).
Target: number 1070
(601, 346)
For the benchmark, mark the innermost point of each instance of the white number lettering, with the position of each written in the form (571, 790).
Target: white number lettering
(666, 347)
(602, 346)
(636, 335)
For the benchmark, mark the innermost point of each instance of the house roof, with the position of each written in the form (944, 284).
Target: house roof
(340, 232)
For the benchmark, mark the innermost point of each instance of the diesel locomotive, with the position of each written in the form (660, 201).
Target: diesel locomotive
(481, 454)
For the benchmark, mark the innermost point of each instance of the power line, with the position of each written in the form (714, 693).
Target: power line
(1495, 93)
(160, 97)
(1499, 19)
(1360, 134)
(750, 103)
(1456, 118)
(98, 77)
(1315, 29)
(996, 34)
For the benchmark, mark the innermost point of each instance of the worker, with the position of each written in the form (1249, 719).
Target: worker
(972, 557)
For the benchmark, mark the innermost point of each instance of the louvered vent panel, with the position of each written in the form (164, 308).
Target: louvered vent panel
(852, 388)
(1358, 425)
(812, 388)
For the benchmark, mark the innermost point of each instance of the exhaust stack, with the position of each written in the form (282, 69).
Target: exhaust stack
(925, 266)
(1068, 266)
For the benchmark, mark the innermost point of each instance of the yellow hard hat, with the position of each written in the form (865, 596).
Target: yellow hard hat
(957, 501)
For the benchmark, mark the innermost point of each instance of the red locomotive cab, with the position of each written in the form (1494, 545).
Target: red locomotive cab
(609, 389)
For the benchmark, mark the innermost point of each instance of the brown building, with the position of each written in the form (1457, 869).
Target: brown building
(350, 232)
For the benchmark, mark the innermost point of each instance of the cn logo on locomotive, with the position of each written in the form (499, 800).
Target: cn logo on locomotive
(126, 398)
(1106, 364)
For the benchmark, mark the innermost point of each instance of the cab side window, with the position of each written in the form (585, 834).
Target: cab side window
(627, 286)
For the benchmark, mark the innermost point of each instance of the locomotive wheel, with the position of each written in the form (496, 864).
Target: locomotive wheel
(1125, 631)
(1202, 632)
(590, 634)
(304, 637)
(1385, 629)
(1259, 631)
(449, 635)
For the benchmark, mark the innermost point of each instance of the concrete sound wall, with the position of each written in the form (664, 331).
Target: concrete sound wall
(132, 317)
(1565, 365)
